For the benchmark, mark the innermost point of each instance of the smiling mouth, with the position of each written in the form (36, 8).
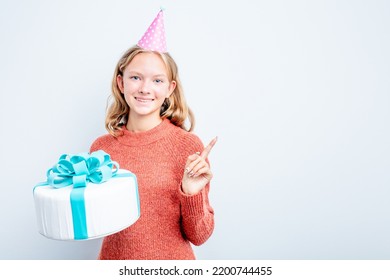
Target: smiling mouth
(143, 100)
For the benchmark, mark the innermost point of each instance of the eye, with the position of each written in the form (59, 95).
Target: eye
(135, 78)
(158, 81)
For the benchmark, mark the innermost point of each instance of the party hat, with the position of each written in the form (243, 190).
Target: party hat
(154, 37)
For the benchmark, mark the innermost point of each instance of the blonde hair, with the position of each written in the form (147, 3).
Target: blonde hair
(174, 108)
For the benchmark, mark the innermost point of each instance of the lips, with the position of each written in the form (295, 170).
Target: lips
(143, 100)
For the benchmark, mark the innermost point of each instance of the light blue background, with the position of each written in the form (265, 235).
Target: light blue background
(296, 91)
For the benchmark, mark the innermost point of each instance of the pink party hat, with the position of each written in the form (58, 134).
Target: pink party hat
(154, 37)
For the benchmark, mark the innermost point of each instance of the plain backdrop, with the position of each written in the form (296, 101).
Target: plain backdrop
(296, 91)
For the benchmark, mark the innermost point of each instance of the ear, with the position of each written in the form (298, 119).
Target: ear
(172, 87)
(119, 82)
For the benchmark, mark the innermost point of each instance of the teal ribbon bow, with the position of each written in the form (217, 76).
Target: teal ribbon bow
(78, 170)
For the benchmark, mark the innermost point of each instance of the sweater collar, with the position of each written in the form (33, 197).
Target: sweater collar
(130, 138)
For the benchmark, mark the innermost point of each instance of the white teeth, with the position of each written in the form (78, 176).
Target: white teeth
(143, 100)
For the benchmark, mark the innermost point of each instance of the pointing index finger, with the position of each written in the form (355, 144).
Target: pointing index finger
(208, 148)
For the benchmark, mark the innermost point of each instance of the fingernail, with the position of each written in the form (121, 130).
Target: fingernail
(187, 169)
(191, 174)
(198, 153)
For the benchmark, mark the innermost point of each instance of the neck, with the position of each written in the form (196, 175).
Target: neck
(139, 124)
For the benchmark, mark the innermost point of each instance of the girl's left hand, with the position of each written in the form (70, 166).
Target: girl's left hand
(197, 173)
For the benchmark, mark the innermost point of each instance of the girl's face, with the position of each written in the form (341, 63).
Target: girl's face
(145, 86)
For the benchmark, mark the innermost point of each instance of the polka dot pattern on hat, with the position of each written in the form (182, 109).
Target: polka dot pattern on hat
(154, 37)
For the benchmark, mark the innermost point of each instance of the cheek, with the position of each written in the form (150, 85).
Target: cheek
(128, 94)
(163, 92)
(127, 98)
(129, 87)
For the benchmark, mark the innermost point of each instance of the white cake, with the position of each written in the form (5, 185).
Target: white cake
(109, 207)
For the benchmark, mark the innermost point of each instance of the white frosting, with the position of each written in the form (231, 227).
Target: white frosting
(110, 207)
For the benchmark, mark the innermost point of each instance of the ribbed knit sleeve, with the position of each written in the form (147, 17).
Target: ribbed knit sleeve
(198, 217)
(197, 214)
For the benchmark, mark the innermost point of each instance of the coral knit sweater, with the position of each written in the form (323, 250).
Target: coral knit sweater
(169, 219)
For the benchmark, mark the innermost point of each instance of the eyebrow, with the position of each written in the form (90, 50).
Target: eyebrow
(154, 76)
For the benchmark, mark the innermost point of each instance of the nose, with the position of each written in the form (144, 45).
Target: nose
(144, 88)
